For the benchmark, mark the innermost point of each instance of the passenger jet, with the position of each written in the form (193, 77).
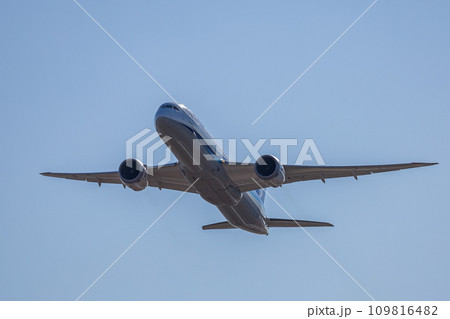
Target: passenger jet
(237, 189)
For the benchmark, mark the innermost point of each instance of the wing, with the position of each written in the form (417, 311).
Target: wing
(167, 176)
(244, 176)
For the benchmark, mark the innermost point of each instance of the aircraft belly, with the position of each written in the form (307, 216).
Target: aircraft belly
(213, 184)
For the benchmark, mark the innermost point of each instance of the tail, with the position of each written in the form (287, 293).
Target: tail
(274, 222)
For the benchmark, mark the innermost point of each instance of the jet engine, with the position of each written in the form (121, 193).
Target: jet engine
(269, 169)
(133, 174)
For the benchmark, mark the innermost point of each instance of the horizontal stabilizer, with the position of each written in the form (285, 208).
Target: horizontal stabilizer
(221, 225)
(278, 222)
(273, 222)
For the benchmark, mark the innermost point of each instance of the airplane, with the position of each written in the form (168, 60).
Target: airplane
(236, 189)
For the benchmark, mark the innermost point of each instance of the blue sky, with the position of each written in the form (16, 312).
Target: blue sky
(70, 98)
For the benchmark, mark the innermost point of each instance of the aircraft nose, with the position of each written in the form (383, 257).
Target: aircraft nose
(162, 123)
(162, 116)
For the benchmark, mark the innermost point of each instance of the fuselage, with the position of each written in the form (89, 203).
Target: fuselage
(201, 161)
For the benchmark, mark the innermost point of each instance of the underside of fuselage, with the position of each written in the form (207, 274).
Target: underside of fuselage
(210, 181)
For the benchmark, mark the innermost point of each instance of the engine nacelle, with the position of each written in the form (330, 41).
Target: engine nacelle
(269, 169)
(133, 174)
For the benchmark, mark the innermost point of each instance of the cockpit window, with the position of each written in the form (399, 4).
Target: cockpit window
(170, 106)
